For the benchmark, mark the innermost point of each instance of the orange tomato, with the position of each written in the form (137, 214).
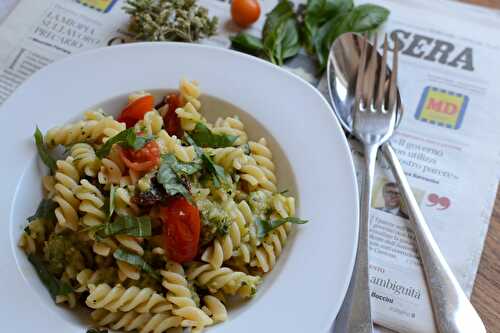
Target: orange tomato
(181, 229)
(245, 12)
(144, 159)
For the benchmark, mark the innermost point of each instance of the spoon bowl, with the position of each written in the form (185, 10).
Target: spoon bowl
(343, 63)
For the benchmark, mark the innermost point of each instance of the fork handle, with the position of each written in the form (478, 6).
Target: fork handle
(355, 313)
(453, 312)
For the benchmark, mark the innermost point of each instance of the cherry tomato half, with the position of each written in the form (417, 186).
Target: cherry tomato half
(171, 121)
(181, 229)
(135, 111)
(245, 12)
(144, 159)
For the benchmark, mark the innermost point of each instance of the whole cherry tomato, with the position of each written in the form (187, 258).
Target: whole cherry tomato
(181, 229)
(245, 12)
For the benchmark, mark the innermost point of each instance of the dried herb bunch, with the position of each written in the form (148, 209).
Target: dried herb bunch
(169, 20)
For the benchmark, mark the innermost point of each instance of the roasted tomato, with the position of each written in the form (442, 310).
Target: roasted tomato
(144, 159)
(135, 111)
(181, 229)
(171, 122)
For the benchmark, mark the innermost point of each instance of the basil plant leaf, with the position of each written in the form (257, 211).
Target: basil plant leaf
(247, 43)
(43, 151)
(264, 226)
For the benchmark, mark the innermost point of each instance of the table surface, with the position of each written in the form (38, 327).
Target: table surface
(486, 293)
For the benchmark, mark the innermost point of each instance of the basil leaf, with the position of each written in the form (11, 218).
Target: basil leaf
(170, 180)
(247, 43)
(204, 137)
(126, 138)
(366, 17)
(317, 13)
(179, 167)
(137, 261)
(217, 172)
(281, 33)
(46, 211)
(43, 151)
(362, 18)
(53, 285)
(280, 13)
(264, 226)
(125, 225)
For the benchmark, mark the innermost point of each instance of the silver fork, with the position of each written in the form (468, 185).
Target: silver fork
(374, 120)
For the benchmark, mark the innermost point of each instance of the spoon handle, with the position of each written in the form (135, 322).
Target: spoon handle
(453, 312)
(355, 313)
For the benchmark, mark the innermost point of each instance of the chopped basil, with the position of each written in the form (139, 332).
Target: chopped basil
(180, 168)
(43, 151)
(170, 180)
(216, 172)
(137, 261)
(204, 137)
(46, 211)
(127, 138)
(264, 226)
(53, 285)
(124, 225)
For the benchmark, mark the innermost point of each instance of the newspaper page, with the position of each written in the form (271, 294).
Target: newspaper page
(449, 74)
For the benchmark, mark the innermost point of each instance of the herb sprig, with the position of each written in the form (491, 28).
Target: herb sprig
(173, 20)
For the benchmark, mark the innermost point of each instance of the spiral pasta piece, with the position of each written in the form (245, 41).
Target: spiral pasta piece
(255, 175)
(112, 169)
(189, 93)
(180, 295)
(231, 126)
(214, 308)
(67, 177)
(170, 144)
(87, 276)
(189, 112)
(151, 124)
(95, 129)
(49, 183)
(118, 298)
(268, 252)
(225, 279)
(85, 159)
(230, 158)
(123, 202)
(92, 203)
(129, 321)
(263, 156)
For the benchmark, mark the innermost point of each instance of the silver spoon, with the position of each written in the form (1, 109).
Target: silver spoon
(453, 312)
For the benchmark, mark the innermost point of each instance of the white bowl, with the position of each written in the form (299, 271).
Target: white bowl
(304, 291)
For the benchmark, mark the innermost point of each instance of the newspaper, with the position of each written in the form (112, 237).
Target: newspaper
(447, 141)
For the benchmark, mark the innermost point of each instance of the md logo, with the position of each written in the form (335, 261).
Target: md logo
(100, 5)
(442, 108)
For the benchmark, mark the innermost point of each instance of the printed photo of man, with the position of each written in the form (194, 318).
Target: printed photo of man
(392, 200)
